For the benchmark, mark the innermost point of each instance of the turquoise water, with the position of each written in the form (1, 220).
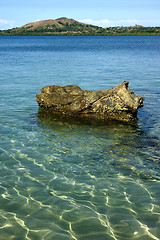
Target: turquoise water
(69, 180)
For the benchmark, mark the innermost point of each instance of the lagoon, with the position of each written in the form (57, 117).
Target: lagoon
(68, 180)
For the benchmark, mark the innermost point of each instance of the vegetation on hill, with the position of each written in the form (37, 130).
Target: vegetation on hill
(65, 26)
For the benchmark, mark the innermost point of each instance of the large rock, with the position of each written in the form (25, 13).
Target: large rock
(118, 103)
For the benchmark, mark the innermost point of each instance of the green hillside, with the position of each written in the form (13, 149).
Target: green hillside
(65, 26)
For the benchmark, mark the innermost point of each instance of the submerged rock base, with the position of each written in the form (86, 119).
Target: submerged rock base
(118, 103)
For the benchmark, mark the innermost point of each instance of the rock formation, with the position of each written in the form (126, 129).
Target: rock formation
(118, 103)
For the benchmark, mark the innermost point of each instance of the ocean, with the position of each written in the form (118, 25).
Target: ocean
(78, 181)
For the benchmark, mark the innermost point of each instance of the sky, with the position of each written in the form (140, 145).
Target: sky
(104, 13)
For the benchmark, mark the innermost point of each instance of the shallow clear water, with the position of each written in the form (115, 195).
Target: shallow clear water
(68, 180)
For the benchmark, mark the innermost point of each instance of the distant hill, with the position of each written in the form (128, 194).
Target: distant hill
(65, 26)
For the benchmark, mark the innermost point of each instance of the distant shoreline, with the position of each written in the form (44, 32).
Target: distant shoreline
(5, 33)
(70, 27)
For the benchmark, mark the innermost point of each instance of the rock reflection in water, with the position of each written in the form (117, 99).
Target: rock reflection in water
(108, 173)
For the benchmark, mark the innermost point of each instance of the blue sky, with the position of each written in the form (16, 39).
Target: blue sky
(105, 13)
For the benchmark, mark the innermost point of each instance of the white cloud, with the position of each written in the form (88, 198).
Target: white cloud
(121, 22)
(130, 22)
(102, 22)
(5, 22)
